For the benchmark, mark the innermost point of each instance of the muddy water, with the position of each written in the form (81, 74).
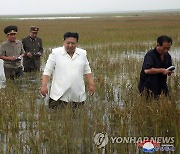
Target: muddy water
(33, 80)
(127, 55)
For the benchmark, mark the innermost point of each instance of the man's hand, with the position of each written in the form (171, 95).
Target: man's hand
(29, 54)
(91, 89)
(91, 83)
(38, 54)
(44, 90)
(166, 72)
(22, 55)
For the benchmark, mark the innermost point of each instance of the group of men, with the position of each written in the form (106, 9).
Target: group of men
(19, 55)
(69, 64)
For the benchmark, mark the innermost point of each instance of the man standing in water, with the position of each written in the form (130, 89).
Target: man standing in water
(33, 48)
(69, 65)
(154, 71)
(11, 51)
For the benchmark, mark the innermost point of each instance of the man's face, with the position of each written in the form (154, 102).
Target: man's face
(70, 44)
(11, 37)
(164, 48)
(33, 34)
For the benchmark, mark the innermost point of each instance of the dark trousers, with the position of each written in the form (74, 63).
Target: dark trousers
(155, 95)
(61, 104)
(31, 69)
(13, 73)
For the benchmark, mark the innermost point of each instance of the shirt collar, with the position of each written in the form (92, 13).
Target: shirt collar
(157, 53)
(65, 52)
(32, 39)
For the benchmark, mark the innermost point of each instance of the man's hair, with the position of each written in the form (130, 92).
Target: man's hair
(164, 38)
(71, 34)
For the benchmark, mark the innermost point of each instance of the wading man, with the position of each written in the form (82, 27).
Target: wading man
(33, 50)
(153, 76)
(11, 51)
(68, 65)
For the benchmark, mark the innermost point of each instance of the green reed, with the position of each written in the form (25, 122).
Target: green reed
(28, 125)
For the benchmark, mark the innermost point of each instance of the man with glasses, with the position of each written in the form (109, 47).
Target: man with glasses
(33, 51)
(11, 51)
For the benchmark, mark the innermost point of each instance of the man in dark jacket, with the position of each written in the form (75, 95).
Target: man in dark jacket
(33, 50)
(154, 71)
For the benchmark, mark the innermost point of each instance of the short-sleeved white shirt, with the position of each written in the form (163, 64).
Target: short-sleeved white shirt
(67, 82)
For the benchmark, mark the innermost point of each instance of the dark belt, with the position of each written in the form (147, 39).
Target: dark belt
(61, 104)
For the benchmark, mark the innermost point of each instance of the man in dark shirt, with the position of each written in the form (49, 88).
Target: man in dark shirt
(154, 71)
(33, 48)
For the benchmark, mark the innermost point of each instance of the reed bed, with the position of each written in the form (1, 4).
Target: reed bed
(28, 126)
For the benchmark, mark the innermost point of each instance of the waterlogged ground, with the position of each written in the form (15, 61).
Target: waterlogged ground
(138, 56)
(115, 47)
(113, 95)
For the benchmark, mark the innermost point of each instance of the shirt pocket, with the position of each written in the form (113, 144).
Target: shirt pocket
(9, 51)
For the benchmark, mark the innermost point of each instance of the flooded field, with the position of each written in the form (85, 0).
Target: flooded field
(115, 48)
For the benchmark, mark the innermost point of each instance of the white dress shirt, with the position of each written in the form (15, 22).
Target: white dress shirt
(68, 74)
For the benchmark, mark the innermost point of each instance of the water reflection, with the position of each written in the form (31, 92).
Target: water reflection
(30, 79)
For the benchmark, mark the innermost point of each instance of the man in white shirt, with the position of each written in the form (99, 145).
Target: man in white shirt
(68, 65)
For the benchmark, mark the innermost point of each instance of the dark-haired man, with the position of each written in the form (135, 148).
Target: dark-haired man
(11, 51)
(33, 49)
(68, 64)
(154, 71)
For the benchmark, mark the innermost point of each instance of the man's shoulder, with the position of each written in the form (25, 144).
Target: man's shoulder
(152, 51)
(4, 43)
(81, 51)
(38, 38)
(168, 55)
(25, 38)
(18, 41)
(57, 50)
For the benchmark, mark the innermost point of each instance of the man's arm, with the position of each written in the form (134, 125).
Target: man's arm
(3, 54)
(47, 73)
(8, 58)
(90, 79)
(26, 52)
(44, 89)
(157, 70)
(41, 47)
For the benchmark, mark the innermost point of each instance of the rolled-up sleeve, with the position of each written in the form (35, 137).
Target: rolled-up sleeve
(2, 51)
(87, 68)
(50, 65)
(148, 62)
